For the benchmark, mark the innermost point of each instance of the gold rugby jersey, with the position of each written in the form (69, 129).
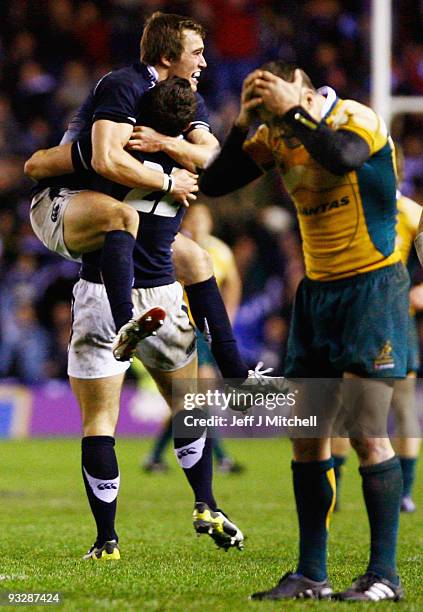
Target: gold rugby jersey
(347, 222)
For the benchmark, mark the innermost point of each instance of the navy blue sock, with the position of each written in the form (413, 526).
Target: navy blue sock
(206, 304)
(408, 469)
(314, 488)
(162, 440)
(338, 462)
(117, 271)
(382, 489)
(194, 455)
(101, 478)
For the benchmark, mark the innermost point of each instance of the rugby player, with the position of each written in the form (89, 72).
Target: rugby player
(96, 377)
(350, 317)
(406, 440)
(170, 45)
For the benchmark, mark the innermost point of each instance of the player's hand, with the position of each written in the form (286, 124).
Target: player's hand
(279, 96)
(249, 101)
(416, 297)
(145, 139)
(185, 185)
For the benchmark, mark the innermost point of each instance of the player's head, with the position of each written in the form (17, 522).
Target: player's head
(174, 44)
(170, 106)
(286, 72)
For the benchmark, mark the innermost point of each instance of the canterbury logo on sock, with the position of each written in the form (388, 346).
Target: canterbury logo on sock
(106, 490)
(191, 454)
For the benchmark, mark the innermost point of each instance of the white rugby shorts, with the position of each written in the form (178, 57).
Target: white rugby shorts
(93, 331)
(47, 216)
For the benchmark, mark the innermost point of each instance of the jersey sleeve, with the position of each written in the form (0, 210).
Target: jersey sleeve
(116, 100)
(258, 149)
(81, 152)
(201, 121)
(364, 122)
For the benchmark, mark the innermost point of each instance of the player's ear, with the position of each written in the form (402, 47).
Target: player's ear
(308, 98)
(165, 61)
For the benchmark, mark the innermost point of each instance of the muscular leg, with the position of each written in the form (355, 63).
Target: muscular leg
(93, 221)
(99, 403)
(407, 434)
(198, 466)
(380, 471)
(195, 270)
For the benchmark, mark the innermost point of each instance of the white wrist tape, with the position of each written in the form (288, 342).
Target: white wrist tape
(418, 243)
(166, 181)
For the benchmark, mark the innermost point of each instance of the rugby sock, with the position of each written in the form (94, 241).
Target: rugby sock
(101, 478)
(210, 316)
(117, 271)
(382, 489)
(408, 469)
(194, 455)
(338, 462)
(314, 488)
(162, 440)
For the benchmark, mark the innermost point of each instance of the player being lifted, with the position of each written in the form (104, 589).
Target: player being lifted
(96, 377)
(350, 316)
(170, 45)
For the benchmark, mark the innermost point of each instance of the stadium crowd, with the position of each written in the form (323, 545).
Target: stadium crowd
(53, 51)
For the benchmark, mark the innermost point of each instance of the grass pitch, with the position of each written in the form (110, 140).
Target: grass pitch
(46, 527)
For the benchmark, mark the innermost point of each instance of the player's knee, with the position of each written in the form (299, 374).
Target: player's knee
(124, 218)
(375, 450)
(198, 266)
(309, 449)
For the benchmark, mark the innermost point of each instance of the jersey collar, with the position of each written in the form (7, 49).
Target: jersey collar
(331, 99)
(154, 75)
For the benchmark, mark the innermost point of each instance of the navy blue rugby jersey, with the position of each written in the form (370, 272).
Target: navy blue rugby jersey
(160, 219)
(116, 97)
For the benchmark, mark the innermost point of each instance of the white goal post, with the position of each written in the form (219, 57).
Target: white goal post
(382, 99)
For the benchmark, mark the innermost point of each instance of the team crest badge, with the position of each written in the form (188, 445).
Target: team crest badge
(385, 360)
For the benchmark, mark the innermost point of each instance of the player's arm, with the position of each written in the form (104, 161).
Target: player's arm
(339, 151)
(231, 169)
(47, 163)
(191, 152)
(109, 159)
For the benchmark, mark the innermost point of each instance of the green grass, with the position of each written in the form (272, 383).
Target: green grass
(46, 527)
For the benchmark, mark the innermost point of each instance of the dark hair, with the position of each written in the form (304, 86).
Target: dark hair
(169, 107)
(286, 72)
(163, 36)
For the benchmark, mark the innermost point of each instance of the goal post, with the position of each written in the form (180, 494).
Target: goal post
(382, 99)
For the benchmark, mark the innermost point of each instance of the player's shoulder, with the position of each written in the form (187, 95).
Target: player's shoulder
(348, 111)
(135, 76)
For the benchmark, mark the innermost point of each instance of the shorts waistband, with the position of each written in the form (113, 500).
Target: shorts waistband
(356, 279)
(93, 275)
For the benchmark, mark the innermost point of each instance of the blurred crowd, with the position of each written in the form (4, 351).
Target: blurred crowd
(51, 54)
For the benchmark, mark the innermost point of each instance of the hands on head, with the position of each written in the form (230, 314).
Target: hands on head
(265, 90)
